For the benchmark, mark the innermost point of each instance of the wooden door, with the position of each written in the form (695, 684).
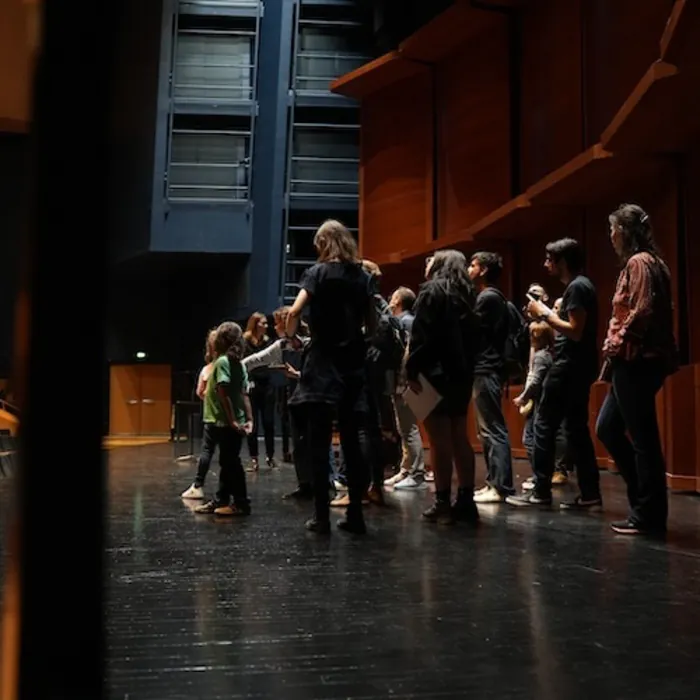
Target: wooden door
(125, 400)
(156, 382)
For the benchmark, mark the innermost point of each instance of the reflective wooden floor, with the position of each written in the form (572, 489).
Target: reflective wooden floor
(547, 606)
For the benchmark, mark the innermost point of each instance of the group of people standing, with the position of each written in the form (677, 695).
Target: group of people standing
(458, 334)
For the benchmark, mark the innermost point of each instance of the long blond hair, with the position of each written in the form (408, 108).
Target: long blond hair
(210, 346)
(334, 242)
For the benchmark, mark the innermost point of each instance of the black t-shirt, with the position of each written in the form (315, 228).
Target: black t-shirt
(492, 310)
(340, 301)
(580, 355)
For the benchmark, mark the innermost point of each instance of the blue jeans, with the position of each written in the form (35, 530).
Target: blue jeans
(493, 432)
(630, 408)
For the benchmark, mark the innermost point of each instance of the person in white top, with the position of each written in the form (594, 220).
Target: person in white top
(196, 490)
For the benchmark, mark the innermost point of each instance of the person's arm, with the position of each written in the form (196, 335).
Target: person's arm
(247, 407)
(271, 355)
(636, 286)
(421, 348)
(535, 379)
(573, 328)
(202, 381)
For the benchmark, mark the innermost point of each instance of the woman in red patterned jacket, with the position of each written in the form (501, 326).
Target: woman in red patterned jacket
(640, 352)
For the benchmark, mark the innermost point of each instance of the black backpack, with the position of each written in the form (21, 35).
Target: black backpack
(388, 344)
(517, 350)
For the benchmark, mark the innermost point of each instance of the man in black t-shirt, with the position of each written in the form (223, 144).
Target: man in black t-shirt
(567, 387)
(492, 309)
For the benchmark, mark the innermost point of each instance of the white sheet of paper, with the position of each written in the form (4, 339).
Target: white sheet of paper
(424, 403)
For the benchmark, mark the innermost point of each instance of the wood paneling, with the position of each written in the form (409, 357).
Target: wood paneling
(680, 429)
(474, 130)
(552, 127)
(692, 257)
(396, 170)
(621, 40)
(140, 399)
(375, 75)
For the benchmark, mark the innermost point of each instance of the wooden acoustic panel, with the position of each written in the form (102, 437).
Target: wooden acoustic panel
(552, 131)
(474, 130)
(612, 72)
(697, 417)
(679, 42)
(396, 168)
(680, 423)
(692, 253)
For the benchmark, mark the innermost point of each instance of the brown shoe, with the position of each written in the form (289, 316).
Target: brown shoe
(559, 479)
(375, 495)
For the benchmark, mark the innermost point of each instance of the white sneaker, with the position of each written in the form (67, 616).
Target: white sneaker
(396, 479)
(411, 484)
(430, 476)
(483, 489)
(490, 495)
(340, 486)
(194, 493)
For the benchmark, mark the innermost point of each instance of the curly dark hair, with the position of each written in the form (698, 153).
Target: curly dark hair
(637, 233)
(229, 341)
(449, 270)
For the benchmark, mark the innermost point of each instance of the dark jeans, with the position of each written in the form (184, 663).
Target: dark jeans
(318, 434)
(285, 419)
(302, 465)
(565, 397)
(262, 400)
(561, 453)
(493, 432)
(232, 483)
(206, 454)
(630, 408)
(381, 440)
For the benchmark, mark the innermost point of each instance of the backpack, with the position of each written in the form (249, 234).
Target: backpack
(517, 350)
(388, 345)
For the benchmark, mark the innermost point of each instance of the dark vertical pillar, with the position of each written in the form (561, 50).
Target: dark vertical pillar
(270, 159)
(60, 539)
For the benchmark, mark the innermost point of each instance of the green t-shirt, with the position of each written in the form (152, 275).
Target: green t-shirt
(235, 379)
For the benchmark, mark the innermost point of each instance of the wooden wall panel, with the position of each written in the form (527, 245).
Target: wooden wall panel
(474, 131)
(680, 429)
(396, 166)
(552, 130)
(692, 258)
(620, 41)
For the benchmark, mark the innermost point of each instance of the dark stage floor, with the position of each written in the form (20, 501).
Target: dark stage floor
(546, 606)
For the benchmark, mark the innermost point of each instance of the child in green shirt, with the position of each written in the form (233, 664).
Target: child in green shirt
(228, 413)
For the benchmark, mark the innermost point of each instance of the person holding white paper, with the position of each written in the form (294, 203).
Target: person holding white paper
(441, 352)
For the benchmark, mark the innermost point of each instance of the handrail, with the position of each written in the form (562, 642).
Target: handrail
(9, 408)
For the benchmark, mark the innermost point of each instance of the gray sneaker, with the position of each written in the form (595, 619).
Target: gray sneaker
(411, 483)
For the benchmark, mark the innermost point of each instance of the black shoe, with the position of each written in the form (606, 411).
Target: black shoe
(630, 527)
(465, 511)
(591, 505)
(354, 525)
(529, 500)
(440, 512)
(320, 527)
(302, 493)
(287, 458)
(270, 461)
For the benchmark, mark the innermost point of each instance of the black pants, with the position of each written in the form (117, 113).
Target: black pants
(285, 419)
(380, 440)
(302, 465)
(206, 454)
(318, 433)
(630, 408)
(262, 400)
(232, 483)
(565, 397)
(561, 453)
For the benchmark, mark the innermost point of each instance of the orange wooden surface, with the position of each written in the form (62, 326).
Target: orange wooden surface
(139, 399)
(396, 183)
(473, 108)
(552, 127)
(680, 429)
(611, 71)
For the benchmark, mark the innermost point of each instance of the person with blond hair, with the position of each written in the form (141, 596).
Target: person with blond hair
(337, 293)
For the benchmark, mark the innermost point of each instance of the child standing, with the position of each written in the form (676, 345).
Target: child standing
(196, 491)
(541, 344)
(228, 411)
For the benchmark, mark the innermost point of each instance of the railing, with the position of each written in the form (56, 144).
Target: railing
(9, 408)
(214, 66)
(316, 70)
(221, 4)
(209, 166)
